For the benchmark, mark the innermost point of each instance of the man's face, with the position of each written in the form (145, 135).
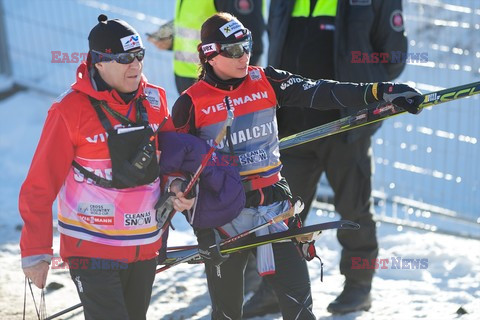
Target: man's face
(124, 78)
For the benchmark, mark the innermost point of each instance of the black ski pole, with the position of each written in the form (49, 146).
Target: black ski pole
(58, 314)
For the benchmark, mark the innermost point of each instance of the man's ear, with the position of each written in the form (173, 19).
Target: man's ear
(99, 66)
(212, 62)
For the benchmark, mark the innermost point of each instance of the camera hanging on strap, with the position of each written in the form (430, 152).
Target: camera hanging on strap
(132, 149)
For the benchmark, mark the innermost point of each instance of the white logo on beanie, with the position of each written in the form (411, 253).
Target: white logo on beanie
(131, 42)
(230, 27)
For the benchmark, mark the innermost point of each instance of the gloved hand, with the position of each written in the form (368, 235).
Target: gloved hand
(307, 249)
(400, 94)
(208, 246)
(193, 192)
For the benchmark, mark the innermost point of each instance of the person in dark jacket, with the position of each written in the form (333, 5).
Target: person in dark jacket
(254, 94)
(184, 33)
(334, 40)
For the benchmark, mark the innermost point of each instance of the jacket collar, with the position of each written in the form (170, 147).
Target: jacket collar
(85, 83)
(212, 79)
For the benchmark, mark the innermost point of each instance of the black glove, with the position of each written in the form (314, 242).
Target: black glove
(400, 94)
(208, 246)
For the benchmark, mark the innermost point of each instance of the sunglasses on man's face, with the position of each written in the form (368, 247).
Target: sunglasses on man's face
(123, 58)
(236, 50)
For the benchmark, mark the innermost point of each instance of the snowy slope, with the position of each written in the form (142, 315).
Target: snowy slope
(451, 281)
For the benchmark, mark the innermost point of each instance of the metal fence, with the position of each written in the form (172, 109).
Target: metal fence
(425, 165)
(5, 65)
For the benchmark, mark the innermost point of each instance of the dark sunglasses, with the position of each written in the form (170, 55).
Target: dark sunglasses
(123, 58)
(236, 50)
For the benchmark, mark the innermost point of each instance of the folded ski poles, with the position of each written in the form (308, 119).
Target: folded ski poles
(377, 113)
(164, 205)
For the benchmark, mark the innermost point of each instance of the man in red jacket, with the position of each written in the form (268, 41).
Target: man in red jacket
(98, 153)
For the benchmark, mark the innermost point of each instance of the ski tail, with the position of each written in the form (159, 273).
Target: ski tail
(189, 254)
(300, 233)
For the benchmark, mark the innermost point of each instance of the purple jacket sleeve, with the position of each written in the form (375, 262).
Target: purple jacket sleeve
(221, 196)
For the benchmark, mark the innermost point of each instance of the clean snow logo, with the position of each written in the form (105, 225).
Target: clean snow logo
(131, 42)
(392, 263)
(137, 219)
(252, 157)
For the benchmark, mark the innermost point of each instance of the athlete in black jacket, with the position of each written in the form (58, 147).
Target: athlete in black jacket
(253, 94)
(338, 40)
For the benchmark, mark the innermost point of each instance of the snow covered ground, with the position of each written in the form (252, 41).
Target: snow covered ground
(450, 281)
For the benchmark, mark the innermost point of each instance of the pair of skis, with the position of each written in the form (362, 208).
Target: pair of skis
(189, 254)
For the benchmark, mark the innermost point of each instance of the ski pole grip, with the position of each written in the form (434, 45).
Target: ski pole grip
(296, 208)
(228, 123)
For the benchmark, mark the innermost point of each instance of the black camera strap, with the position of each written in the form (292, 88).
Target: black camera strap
(141, 119)
(99, 181)
(99, 106)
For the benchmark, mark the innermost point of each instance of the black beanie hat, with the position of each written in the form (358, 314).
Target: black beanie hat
(113, 36)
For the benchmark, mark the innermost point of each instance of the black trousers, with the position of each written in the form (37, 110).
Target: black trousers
(114, 291)
(290, 282)
(348, 168)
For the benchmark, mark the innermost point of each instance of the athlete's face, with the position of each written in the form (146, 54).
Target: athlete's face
(121, 77)
(228, 68)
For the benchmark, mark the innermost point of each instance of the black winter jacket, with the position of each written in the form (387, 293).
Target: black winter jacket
(360, 25)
